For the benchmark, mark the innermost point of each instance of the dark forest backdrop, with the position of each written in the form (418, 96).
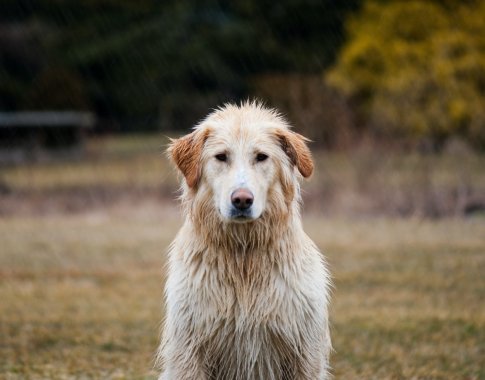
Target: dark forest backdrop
(341, 70)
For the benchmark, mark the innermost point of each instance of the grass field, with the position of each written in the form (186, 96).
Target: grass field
(81, 292)
(364, 182)
(81, 295)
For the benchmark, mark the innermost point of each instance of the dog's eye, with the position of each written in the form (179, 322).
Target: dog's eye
(221, 157)
(261, 157)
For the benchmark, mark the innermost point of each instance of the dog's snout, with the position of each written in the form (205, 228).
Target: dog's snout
(242, 199)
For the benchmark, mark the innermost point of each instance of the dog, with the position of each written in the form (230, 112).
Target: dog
(247, 291)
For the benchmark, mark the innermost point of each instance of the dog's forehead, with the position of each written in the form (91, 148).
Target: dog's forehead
(241, 133)
(247, 125)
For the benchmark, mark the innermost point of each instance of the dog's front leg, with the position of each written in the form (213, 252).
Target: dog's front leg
(180, 353)
(178, 374)
(314, 369)
(314, 363)
(182, 363)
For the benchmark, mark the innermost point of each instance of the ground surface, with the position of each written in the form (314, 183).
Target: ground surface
(81, 287)
(81, 295)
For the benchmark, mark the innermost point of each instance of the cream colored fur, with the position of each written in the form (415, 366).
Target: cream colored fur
(244, 299)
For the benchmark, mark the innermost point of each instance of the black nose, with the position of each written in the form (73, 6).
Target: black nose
(242, 199)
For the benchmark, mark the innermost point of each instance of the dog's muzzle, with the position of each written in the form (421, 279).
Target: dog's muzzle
(241, 200)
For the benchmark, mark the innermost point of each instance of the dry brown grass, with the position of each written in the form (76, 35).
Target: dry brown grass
(81, 295)
(408, 297)
(363, 182)
(113, 162)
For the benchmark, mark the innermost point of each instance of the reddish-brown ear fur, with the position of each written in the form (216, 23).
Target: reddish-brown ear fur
(295, 147)
(186, 153)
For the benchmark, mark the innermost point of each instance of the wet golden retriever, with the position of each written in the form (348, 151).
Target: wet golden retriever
(247, 290)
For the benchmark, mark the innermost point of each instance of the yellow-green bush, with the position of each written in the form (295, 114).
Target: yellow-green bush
(416, 69)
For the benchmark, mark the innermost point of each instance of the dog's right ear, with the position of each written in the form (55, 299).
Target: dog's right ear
(186, 153)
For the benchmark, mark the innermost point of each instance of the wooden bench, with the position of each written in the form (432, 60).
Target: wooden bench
(44, 129)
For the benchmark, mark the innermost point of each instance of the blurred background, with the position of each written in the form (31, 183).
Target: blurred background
(392, 94)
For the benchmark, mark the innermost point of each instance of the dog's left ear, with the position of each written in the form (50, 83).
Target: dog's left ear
(297, 150)
(186, 153)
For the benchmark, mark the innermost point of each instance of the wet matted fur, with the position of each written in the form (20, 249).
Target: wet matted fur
(247, 292)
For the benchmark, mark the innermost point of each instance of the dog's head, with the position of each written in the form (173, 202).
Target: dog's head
(242, 160)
